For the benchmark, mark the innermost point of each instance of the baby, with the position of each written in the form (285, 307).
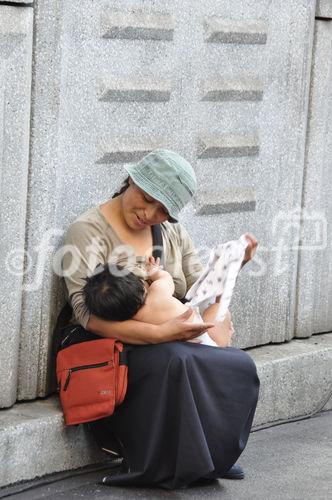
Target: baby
(116, 296)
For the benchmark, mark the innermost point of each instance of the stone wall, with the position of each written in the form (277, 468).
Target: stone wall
(225, 84)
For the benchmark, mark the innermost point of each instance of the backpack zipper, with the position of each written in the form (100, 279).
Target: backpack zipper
(83, 367)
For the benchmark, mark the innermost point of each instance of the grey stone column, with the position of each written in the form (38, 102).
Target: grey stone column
(41, 286)
(15, 83)
(314, 289)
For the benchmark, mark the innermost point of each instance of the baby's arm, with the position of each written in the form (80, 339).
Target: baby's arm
(161, 280)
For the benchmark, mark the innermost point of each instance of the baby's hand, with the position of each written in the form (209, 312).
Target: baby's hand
(153, 267)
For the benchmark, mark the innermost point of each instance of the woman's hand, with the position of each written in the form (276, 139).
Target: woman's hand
(251, 248)
(180, 328)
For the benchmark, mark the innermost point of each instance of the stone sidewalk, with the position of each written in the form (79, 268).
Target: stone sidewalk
(295, 381)
(290, 462)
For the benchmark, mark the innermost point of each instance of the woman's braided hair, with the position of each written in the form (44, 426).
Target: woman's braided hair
(123, 188)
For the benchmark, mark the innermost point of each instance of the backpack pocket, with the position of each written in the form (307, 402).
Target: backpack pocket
(88, 379)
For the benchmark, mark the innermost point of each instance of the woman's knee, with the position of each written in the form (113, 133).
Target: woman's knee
(242, 362)
(159, 357)
(178, 356)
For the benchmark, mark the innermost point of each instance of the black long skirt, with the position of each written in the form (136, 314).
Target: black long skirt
(187, 413)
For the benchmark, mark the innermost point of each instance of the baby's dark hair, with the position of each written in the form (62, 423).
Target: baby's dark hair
(112, 296)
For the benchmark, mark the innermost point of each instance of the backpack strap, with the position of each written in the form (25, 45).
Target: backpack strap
(158, 250)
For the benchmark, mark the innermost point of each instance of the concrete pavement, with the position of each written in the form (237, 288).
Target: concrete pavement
(290, 462)
(295, 381)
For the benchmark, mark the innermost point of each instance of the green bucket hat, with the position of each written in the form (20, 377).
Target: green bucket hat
(167, 177)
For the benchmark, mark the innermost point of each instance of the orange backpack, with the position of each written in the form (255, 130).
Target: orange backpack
(92, 379)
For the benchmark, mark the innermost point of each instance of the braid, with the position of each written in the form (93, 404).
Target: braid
(123, 188)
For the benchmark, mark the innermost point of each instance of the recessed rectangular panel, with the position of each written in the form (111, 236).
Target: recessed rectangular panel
(131, 90)
(219, 30)
(231, 145)
(125, 152)
(225, 202)
(137, 26)
(233, 89)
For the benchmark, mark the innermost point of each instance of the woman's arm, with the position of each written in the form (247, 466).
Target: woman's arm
(136, 332)
(79, 238)
(129, 331)
(81, 253)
